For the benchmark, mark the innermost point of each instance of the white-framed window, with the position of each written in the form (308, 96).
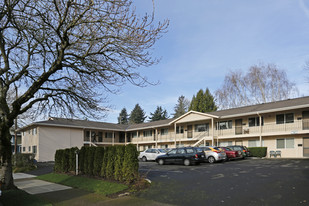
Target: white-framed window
(34, 149)
(164, 131)
(29, 149)
(255, 121)
(179, 129)
(255, 143)
(285, 143)
(225, 144)
(201, 127)
(224, 125)
(285, 118)
(87, 136)
(34, 131)
(147, 133)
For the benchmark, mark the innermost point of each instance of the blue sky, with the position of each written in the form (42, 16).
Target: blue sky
(206, 39)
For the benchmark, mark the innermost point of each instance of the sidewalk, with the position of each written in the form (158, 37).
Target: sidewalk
(33, 186)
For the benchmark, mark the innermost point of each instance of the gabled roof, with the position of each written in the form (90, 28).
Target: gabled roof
(277, 106)
(203, 115)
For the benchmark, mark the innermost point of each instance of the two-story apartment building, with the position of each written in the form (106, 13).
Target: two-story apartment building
(282, 125)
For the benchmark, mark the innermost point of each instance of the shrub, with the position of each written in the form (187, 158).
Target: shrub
(98, 159)
(120, 150)
(90, 158)
(81, 157)
(58, 160)
(23, 162)
(130, 164)
(104, 162)
(258, 151)
(72, 158)
(110, 166)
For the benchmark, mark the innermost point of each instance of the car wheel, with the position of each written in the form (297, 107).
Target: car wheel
(211, 160)
(186, 162)
(144, 159)
(161, 162)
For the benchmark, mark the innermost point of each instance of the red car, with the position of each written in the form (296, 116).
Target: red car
(232, 154)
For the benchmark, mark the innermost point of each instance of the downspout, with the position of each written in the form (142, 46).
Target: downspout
(260, 120)
(175, 133)
(213, 130)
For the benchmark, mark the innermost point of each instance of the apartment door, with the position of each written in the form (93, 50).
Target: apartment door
(306, 146)
(238, 126)
(189, 131)
(306, 120)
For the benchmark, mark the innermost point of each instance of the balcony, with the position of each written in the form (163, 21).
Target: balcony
(298, 126)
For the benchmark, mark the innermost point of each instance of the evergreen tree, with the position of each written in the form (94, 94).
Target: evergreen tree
(181, 107)
(159, 114)
(137, 115)
(203, 102)
(123, 117)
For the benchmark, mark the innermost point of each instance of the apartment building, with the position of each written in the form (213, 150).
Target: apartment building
(282, 125)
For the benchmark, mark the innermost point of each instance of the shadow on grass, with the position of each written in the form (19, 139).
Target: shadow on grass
(20, 197)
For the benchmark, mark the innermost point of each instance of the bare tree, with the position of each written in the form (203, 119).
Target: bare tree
(64, 55)
(261, 84)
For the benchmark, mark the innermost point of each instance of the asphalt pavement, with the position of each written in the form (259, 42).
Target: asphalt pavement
(241, 182)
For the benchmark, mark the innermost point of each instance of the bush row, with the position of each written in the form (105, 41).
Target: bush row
(115, 162)
(258, 151)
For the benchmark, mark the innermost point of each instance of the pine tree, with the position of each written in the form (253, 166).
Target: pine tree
(137, 115)
(123, 117)
(159, 114)
(181, 107)
(203, 102)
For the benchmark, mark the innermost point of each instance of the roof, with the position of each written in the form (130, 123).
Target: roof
(283, 105)
(289, 104)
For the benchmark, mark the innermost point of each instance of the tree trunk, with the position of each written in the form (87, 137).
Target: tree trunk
(6, 159)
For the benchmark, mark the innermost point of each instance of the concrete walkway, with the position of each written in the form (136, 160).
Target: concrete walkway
(33, 186)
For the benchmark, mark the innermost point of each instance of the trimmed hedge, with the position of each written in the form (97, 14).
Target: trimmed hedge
(258, 151)
(115, 163)
(23, 160)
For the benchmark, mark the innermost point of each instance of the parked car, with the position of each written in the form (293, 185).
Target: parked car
(183, 155)
(213, 154)
(231, 154)
(245, 151)
(151, 154)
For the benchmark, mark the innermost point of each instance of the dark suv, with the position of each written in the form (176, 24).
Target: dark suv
(245, 151)
(183, 155)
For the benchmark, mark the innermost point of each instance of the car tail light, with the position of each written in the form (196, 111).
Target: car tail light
(244, 150)
(217, 151)
(196, 156)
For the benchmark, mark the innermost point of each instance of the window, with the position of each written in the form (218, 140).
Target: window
(225, 144)
(285, 143)
(285, 118)
(108, 135)
(100, 134)
(134, 134)
(24, 149)
(179, 130)
(181, 151)
(147, 133)
(201, 127)
(87, 136)
(225, 125)
(173, 151)
(255, 143)
(34, 132)
(29, 149)
(164, 131)
(255, 121)
(34, 149)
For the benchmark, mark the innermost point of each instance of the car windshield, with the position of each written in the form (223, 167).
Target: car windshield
(162, 150)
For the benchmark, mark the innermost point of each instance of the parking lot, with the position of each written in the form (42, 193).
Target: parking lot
(241, 182)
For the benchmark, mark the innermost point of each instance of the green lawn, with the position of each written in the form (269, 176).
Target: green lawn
(88, 184)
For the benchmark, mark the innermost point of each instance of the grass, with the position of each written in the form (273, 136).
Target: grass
(19, 197)
(92, 185)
